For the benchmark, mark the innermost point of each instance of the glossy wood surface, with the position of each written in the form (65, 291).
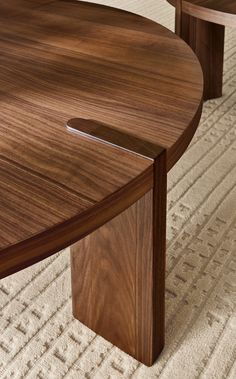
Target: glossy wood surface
(221, 12)
(207, 41)
(65, 59)
(109, 136)
(108, 258)
(202, 25)
(178, 17)
(118, 275)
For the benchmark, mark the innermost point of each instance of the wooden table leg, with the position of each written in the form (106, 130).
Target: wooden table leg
(118, 276)
(207, 41)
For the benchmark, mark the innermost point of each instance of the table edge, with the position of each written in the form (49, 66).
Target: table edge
(207, 14)
(36, 248)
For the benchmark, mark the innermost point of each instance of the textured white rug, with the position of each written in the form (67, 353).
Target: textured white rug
(40, 339)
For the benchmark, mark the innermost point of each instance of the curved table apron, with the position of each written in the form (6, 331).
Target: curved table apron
(203, 28)
(130, 93)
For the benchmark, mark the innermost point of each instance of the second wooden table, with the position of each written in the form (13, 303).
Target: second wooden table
(203, 28)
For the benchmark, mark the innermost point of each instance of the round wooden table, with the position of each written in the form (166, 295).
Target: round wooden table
(203, 28)
(96, 105)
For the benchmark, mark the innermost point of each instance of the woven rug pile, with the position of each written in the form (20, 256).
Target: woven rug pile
(39, 339)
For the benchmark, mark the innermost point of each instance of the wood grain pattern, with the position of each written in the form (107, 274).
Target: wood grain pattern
(26, 252)
(67, 59)
(103, 280)
(150, 270)
(132, 91)
(203, 28)
(178, 17)
(118, 275)
(207, 41)
(222, 12)
(107, 135)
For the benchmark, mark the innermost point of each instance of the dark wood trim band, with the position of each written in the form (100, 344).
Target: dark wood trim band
(178, 17)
